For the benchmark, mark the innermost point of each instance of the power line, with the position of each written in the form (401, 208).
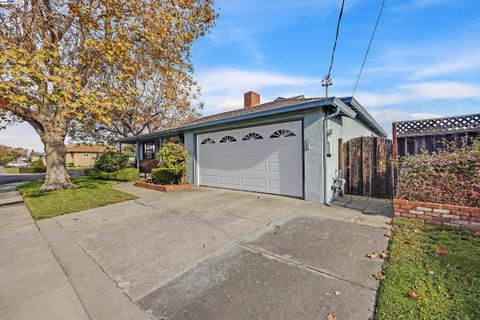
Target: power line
(327, 81)
(368, 48)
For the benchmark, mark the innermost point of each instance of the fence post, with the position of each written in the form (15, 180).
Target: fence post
(395, 158)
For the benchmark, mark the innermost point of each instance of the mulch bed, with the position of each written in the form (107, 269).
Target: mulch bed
(163, 188)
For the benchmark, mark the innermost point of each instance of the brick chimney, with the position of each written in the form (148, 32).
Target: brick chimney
(251, 99)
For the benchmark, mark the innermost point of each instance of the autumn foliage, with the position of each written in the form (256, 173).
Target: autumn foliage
(66, 62)
(451, 176)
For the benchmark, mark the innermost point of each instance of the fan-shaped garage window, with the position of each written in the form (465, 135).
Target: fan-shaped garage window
(282, 133)
(227, 139)
(252, 136)
(208, 141)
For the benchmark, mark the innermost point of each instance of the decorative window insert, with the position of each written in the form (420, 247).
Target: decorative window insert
(227, 139)
(85, 155)
(282, 133)
(252, 136)
(208, 141)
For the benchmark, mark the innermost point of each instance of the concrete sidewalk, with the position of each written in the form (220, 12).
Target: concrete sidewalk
(46, 275)
(33, 285)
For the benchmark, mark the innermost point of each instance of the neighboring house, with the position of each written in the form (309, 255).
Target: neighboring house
(288, 146)
(83, 155)
(34, 156)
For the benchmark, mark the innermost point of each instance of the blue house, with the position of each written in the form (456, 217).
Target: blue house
(289, 146)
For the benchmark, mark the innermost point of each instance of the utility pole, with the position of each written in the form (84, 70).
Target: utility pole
(327, 82)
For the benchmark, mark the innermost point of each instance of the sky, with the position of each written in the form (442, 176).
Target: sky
(424, 62)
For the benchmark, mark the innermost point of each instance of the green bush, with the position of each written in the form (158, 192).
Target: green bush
(128, 174)
(111, 161)
(164, 176)
(451, 176)
(38, 169)
(172, 164)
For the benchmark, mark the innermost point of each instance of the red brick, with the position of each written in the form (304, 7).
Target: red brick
(433, 214)
(408, 215)
(475, 214)
(441, 219)
(449, 207)
(475, 219)
(425, 217)
(408, 207)
(462, 213)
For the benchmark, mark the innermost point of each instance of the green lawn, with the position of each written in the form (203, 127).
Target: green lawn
(448, 286)
(87, 194)
(11, 170)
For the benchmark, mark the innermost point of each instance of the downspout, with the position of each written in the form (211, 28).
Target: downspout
(325, 142)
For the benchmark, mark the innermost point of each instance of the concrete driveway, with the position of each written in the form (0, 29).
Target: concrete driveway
(219, 254)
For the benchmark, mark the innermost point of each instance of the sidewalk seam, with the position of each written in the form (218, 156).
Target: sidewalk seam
(64, 272)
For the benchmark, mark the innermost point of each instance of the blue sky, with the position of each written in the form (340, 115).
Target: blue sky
(425, 59)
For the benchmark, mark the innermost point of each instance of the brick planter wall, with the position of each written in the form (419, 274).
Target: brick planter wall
(163, 188)
(467, 217)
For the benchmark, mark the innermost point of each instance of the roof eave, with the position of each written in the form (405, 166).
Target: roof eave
(366, 115)
(269, 112)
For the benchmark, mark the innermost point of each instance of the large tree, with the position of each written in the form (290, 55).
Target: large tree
(65, 61)
(158, 103)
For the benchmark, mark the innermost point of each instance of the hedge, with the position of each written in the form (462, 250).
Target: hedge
(165, 176)
(451, 176)
(32, 170)
(129, 174)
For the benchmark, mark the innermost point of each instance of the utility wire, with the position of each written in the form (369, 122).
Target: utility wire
(369, 45)
(336, 39)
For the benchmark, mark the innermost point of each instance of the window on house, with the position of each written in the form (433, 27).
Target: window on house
(227, 139)
(208, 141)
(252, 136)
(149, 150)
(282, 133)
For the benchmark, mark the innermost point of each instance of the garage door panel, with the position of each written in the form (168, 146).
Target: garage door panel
(258, 183)
(272, 165)
(229, 180)
(209, 179)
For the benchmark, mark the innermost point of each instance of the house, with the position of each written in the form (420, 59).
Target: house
(288, 146)
(83, 155)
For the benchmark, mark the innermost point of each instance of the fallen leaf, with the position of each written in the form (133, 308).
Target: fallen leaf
(441, 251)
(431, 272)
(331, 317)
(277, 228)
(414, 295)
(379, 276)
(379, 255)
(388, 235)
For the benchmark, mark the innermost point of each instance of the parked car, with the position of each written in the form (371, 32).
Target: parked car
(17, 164)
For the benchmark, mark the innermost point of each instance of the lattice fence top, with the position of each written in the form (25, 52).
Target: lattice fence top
(439, 125)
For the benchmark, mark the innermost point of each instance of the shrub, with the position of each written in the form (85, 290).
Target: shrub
(172, 164)
(128, 174)
(39, 169)
(164, 176)
(111, 161)
(448, 177)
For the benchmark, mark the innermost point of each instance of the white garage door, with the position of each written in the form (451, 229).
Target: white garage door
(264, 159)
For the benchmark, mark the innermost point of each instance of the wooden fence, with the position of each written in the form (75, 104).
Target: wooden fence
(367, 166)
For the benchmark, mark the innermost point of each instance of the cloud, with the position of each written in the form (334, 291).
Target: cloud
(421, 91)
(387, 116)
(243, 80)
(451, 65)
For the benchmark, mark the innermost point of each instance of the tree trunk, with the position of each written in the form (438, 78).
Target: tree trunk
(57, 175)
